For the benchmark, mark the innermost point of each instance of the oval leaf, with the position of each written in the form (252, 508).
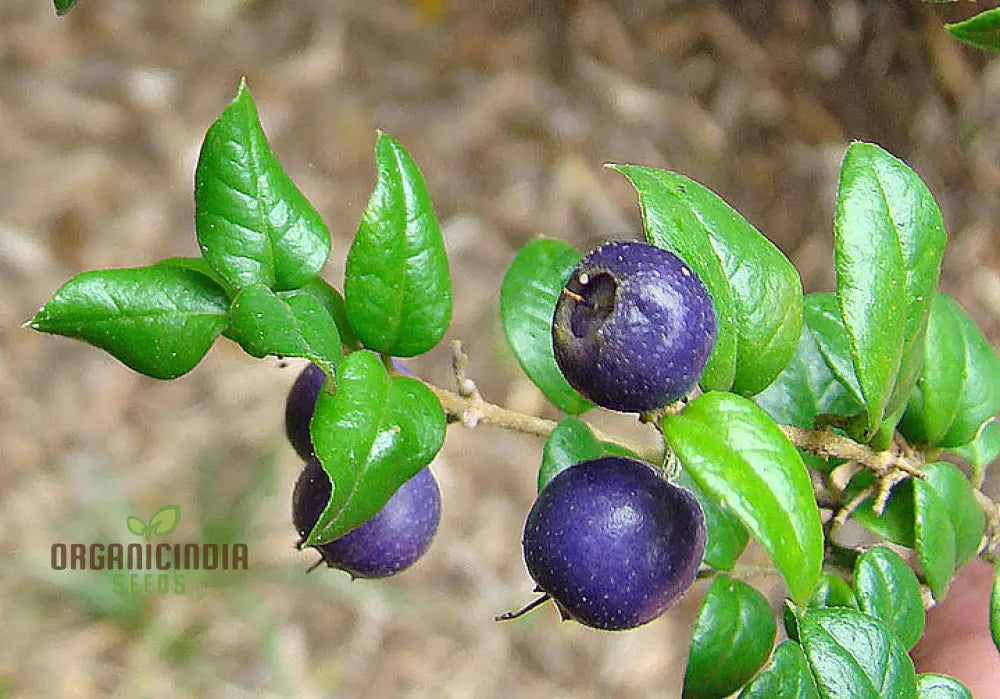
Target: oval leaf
(64, 6)
(570, 443)
(164, 520)
(732, 639)
(295, 326)
(786, 676)
(981, 30)
(396, 285)
(959, 388)
(896, 523)
(931, 686)
(967, 519)
(888, 240)
(756, 290)
(984, 449)
(528, 299)
(375, 433)
(333, 302)
(854, 655)
(935, 538)
(822, 317)
(807, 387)
(157, 320)
(725, 537)
(740, 457)
(254, 225)
(887, 589)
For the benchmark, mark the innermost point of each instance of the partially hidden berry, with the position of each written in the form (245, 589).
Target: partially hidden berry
(613, 543)
(388, 543)
(300, 406)
(633, 327)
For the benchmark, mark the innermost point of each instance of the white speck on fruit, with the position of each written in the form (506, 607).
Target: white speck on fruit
(584, 278)
(685, 271)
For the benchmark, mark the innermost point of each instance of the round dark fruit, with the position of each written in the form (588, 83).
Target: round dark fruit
(300, 406)
(633, 327)
(613, 543)
(388, 543)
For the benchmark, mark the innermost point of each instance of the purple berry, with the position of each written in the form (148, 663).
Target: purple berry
(613, 543)
(388, 543)
(633, 327)
(300, 407)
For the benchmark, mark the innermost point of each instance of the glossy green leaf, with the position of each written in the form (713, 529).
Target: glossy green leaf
(822, 317)
(985, 448)
(371, 436)
(896, 522)
(981, 30)
(732, 639)
(935, 538)
(995, 607)
(888, 240)
(64, 6)
(254, 225)
(738, 456)
(787, 675)
(959, 388)
(932, 686)
(967, 520)
(158, 320)
(830, 591)
(570, 443)
(296, 326)
(200, 265)
(807, 387)
(855, 655)
(887, 589)
(756, 290)
(528, 299)
(397, 285)
(725, 538)
(333, 302)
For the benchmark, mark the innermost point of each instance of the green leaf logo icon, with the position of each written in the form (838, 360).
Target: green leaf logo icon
(163, 521)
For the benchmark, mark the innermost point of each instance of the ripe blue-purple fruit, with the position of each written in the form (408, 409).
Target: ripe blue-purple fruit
(613, 543)
(633, 327)
(388, 543)
(300, 406)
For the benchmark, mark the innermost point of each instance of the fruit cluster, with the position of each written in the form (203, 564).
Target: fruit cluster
(609, 539)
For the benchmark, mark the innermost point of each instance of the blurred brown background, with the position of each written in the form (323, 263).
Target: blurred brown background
(510, 108)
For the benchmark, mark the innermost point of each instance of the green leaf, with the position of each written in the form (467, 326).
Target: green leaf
(738, 456)
(887, 589)
(959, 388)
(296, 326)
(396, 284)
(830, 591)
(159, 321)
(995, 607)
(807, 387)
(756, 290)
(985, 448)
(570, 443)
(163, 521)
(932, 686)
(64, 6)
(732, 639)
(935, 538)
(726, 538)
(200, 265)
(254, 225)
(372, 436)
(528, 299)
(981, 30)
(888, 240)
(333, 302)
(822, 317)
(967, 520)
(855, 655)
(136, 526)
(896, 522)
(787, 675)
